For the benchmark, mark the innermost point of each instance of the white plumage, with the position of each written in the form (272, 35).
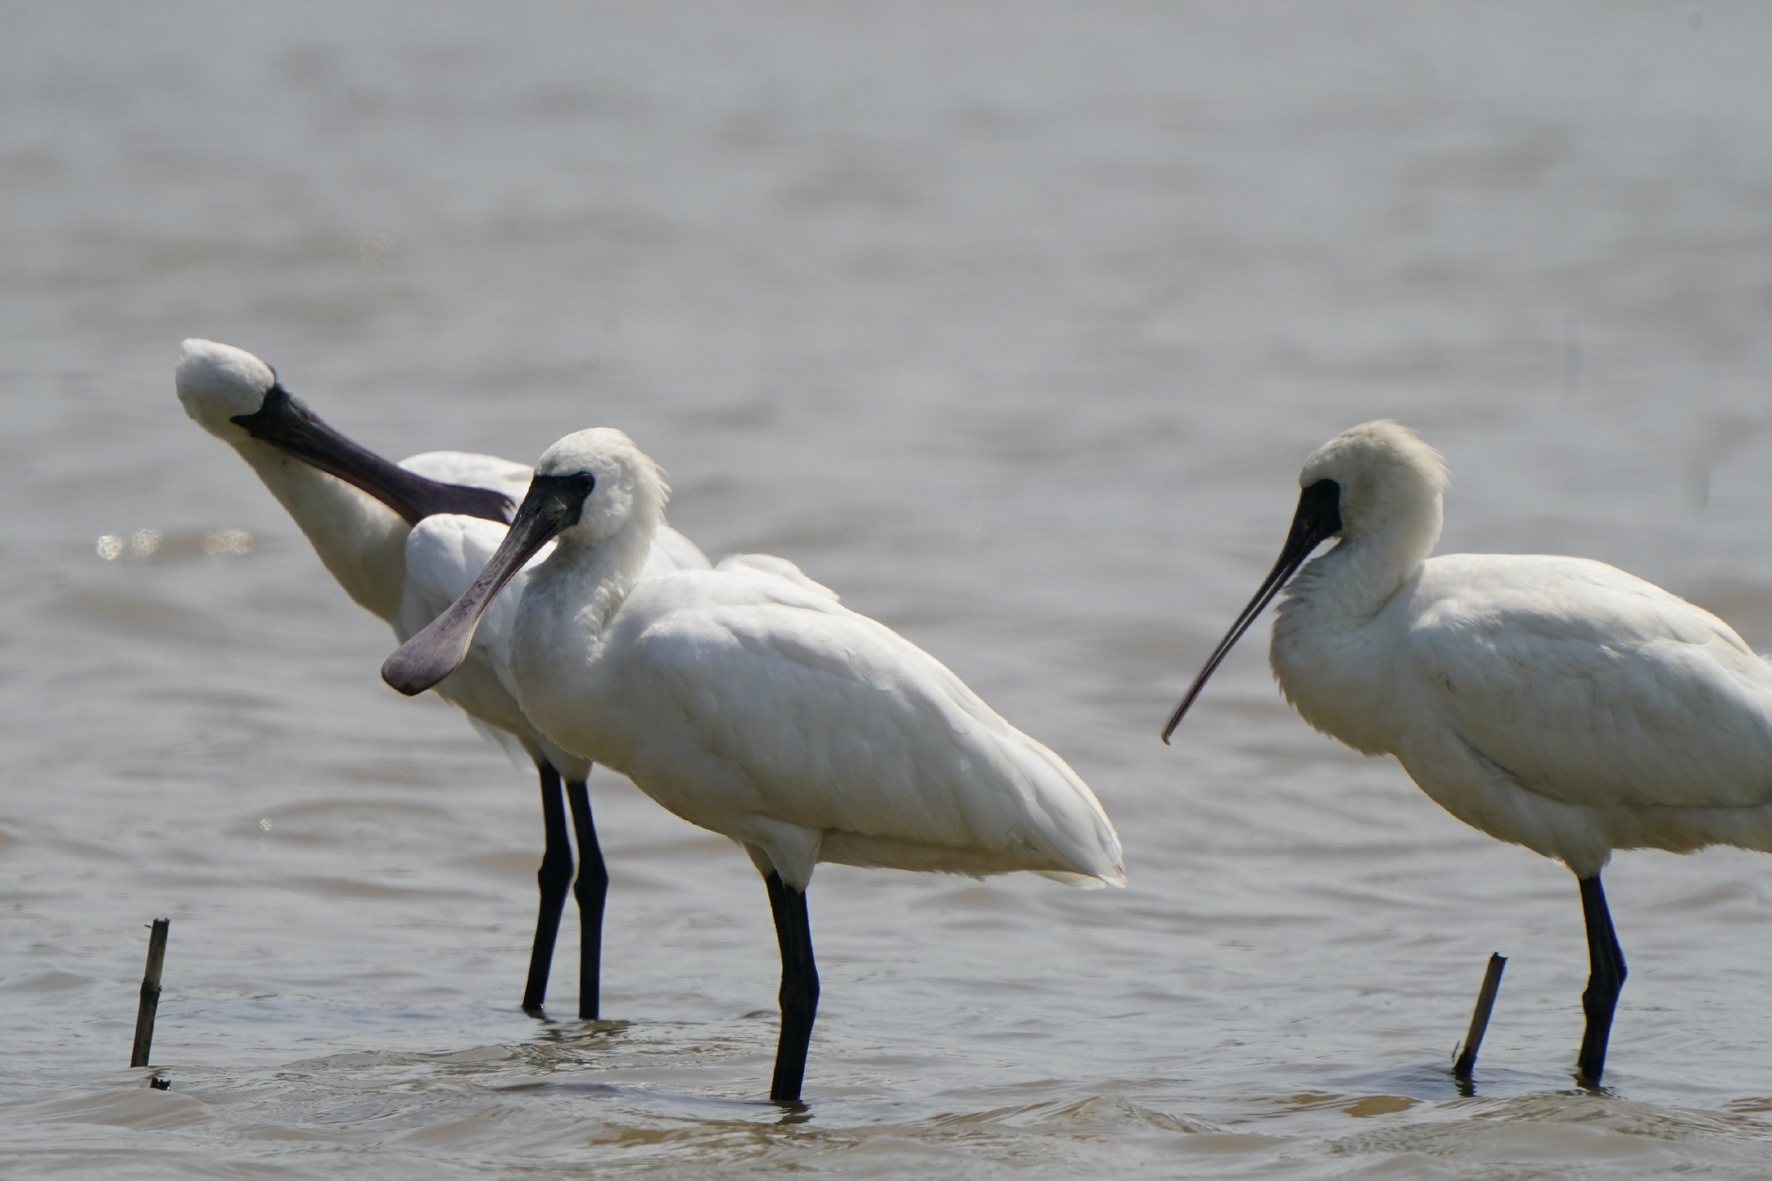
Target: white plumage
(403, 573)
(749, 701)
(443, 554)
(1558, 703)
(1553, 702)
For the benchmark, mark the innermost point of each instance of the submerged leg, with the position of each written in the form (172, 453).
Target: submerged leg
(1605, 979)
(554, 878)
(799, 988)
(591, 889)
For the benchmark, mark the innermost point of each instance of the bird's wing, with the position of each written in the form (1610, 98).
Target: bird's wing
(672, 551)
(840, 724)
(1589, 686)
(473, 470)
(767, 567)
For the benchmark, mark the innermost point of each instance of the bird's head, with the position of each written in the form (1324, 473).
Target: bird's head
(601, 483)
(218, 383)
(588, 487)
(1382, 476)
(236, 397)
(1375, 480)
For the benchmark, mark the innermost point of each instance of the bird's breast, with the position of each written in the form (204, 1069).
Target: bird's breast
(1337, 673)
(556, 670)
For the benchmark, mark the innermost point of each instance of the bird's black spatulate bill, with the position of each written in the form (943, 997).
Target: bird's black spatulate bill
(288, 425)
(553, 503)
(1318, 518)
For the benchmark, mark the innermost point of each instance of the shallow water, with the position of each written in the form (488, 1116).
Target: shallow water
(1009, 322)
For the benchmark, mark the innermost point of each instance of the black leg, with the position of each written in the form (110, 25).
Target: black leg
(591, 889)
(554, 878)
(799, 988)
(1605, 980)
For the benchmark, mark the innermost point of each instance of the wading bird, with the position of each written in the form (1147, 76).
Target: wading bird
(404, 540)
(1552, 702)
(748, 701)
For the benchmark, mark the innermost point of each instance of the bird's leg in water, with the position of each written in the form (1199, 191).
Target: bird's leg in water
(799, 988)
(554, 878)
(591, 889)
(1605, 980)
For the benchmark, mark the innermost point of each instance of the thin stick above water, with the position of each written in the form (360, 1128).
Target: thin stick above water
(1473, 1041)
(144, 1016)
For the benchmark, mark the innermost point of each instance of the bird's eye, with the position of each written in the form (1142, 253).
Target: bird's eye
(582, 483)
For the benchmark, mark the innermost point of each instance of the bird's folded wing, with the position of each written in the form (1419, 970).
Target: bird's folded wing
(1589, 686)
(861, 731)
(767, 569)
(672, 551)
(473, 469)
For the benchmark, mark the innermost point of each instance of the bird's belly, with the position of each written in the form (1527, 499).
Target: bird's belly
(1485, 796)
(650, 744)
(1489, 798)
(475, 689)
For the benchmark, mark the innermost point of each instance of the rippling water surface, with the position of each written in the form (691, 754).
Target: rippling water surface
(1010, 322)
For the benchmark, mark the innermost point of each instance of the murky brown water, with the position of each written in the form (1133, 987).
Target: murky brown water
(1010, 322)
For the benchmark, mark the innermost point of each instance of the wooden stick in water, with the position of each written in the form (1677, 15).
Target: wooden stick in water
(1473, 1041)
(144, 1016)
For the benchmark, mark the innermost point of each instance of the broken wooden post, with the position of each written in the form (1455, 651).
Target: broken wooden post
(144, 1016)
(1473, 1041)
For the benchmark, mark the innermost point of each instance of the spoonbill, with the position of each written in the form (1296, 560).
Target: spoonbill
(1552, 702)
(404, 540)
(747, 700)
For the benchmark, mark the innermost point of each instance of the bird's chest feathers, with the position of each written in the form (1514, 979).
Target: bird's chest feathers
(557, 663)
(1334, 667)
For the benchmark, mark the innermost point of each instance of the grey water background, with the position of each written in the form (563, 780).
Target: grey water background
(1010, 322)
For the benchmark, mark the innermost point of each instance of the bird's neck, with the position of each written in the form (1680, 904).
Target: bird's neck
(360, 541)
(1330, 648)
(582, 584)
(1351, 583)
(1379, 552)
(569, 603)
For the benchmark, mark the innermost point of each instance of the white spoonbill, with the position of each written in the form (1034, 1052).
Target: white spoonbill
(1556, 703)
(404, 541)
(748, 701)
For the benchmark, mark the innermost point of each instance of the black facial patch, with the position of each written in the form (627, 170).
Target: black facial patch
(568, 492)
(1320, 504)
